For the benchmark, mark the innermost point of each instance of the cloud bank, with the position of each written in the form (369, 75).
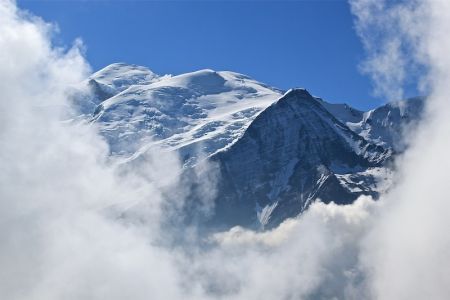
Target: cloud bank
(75, 225)
(407, 250)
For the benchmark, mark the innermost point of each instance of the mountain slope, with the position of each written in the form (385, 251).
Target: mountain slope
(383, 125)
(110, 81)
(196, 113)
(276, 152)
(291, 155)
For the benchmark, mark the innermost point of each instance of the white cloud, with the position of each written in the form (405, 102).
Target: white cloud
(58, 239)
(407, 251)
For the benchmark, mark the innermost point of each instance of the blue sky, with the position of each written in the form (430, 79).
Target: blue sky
(286, 44)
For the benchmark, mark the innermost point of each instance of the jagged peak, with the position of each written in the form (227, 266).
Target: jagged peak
(205, 80)
(298, 92)
(121, 69)
(299, 96)
(117, 77)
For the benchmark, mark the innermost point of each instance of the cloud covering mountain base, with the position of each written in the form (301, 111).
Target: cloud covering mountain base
(76, 225)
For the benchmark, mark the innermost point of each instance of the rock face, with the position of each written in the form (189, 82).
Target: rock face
(276, 152)
(289, 156)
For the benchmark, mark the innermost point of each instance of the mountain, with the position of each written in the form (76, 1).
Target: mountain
(384, 125)
(276, 151)
(293, 153)
(196, 113)
(110, 81)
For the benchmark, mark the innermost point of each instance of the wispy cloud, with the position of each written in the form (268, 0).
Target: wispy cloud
(406, 252)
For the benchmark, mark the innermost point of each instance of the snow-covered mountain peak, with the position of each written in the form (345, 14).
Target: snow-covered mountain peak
(117, 77)
(384, 125)
(208, 81)
(297, 92)
(201, 111)
(299, 99)
(301, 96)
(203, 81)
